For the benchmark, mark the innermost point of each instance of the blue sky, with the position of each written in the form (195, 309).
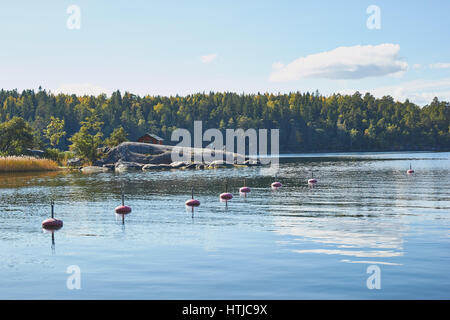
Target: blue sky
(181, 47)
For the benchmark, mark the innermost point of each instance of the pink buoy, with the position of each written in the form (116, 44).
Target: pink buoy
(193, 203)
(244, 190)
(410, 170)
(123, 209)
(226, 196)
(52, 223)
(276, 185)
(312, 180)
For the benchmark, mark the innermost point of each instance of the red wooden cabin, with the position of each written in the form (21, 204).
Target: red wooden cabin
(151, 138)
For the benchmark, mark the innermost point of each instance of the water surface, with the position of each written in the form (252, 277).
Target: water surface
(294, 243)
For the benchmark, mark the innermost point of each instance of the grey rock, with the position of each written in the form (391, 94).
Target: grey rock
(220, 164)
(94, 169)
(36, 153)
(74, 162)
(109, 166)
(178, 164)
(98, 163)
(252, 162)
(190, 166)
(149, 167)
(103, 150)
(123, 166)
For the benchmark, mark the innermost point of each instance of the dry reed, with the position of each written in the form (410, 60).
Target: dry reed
(26, 164)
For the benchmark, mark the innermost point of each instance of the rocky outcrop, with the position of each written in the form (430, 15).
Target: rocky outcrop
(137, 152)
(122, 166)
(131, 156)
(147, 153)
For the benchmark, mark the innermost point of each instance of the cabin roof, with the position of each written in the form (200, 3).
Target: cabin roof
(154, 136)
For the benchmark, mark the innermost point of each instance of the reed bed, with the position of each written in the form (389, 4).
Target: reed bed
(26, 164)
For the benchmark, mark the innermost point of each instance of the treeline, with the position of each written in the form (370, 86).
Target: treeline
(307, 121)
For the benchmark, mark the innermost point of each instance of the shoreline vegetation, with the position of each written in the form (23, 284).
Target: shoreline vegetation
(26, 164)
(40, 131)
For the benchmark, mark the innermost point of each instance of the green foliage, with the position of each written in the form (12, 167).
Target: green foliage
(55, 131)
(59, 156)
(86, 141)
(307, 122)
(16, 136)
(117, 137)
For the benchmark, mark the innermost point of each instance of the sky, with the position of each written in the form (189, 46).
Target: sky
(398, 48)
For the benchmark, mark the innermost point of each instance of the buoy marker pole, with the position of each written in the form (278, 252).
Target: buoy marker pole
(226, 191)
(192, 197)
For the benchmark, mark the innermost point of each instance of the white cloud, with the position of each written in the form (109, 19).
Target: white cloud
(81, 89)
(420, 92)
(208, 58)
(354, 62)
(440, 65)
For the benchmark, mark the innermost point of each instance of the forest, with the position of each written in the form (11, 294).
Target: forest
(308, 122)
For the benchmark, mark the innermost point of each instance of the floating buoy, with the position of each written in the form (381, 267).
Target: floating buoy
(192, 203)
(226, 196)
(244, 190)
(123, 209)
(52, 223)
(312, 180)
(410, 171)
(276, 185)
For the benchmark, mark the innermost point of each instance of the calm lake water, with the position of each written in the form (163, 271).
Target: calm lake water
(294, 243)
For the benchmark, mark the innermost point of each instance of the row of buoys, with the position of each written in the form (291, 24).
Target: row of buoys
(53, 224)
